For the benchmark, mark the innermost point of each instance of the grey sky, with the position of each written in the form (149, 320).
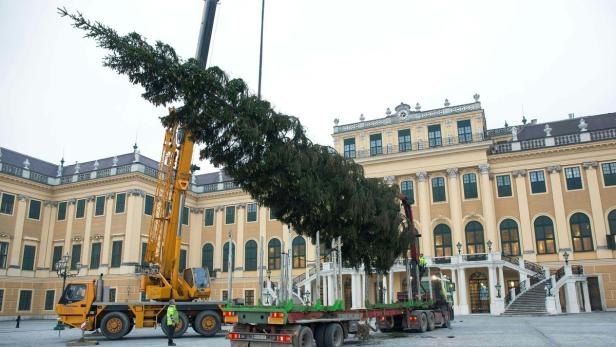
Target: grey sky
(323, 59)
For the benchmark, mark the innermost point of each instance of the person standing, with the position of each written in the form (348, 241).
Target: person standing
(171, 321)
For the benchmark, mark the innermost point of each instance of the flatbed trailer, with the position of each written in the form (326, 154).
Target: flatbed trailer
(328, 326)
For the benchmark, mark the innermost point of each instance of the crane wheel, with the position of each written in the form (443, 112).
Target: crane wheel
(180, 329)
(334, 336)
(115, 325)
(207, 323)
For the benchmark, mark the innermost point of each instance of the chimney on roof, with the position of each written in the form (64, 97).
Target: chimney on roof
(571, 115)
(533, 121)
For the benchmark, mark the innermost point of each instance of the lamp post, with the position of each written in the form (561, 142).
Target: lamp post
(63, 269)
(489, 246)
(498, 288)
(566, 256)
(459, 246)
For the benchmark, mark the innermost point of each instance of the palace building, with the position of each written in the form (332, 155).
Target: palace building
(525, 211)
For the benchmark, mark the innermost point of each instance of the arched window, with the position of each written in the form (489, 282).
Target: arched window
(442, 241)
(207, 257)
(250, 255)
(225, 257)
(580, 232)
(544, 235)
(510, 240)
(273, 254)
(474, 238)
(299, 253)
(611, 220)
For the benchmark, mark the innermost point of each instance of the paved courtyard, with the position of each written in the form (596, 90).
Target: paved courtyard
(594, 329)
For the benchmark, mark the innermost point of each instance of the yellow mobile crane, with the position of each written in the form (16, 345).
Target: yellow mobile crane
(82, 303)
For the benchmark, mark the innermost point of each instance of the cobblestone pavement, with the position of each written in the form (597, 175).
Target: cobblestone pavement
(591, 329)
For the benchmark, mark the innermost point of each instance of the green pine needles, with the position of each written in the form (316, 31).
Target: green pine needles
(266, 152)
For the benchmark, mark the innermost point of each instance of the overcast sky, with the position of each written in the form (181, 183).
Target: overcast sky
(322, 59)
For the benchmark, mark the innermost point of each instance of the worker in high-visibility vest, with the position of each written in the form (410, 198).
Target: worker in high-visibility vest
(172, 319)
(422, 263)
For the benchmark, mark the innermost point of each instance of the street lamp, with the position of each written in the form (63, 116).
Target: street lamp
(63, 269)
(566, 256)
(489, 246)
(498, 288)
(459, 246)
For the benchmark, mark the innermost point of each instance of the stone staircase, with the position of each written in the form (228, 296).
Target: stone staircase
(531, 302)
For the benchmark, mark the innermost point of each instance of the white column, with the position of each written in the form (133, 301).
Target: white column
(364, 296)
(331, 295)
(491, 289)
(587, 307)
(562, 228)
(462, 293)
(391, 286)
(456, 301)
(46, 245)
(455, 206)
(132, 245)
(219, 243)
(571, 292)
(487, 203)
(20, 215)
(525, 231)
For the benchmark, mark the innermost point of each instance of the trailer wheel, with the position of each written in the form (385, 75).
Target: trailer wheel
(207, 323)
(334, 336)
(423, 324)
(431, 323)
(305, 338)
(115, 325)
(180, 329)
(319, 335)
(447, 320)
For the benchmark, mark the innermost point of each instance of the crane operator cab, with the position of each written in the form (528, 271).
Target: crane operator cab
(198, 278)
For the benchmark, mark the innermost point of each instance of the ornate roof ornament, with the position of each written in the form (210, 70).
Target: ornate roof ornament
(484, 168)
(506, 124)
(136, 153)
(115, 160)
(514, 133)
(417, 107)
(524, 120)
(452, 172)
(96, 165)
(362, 117)
(388, 112)
(583, 125)
(422, 176)
(77, 167)
(547, 130)
(27, 164)
(446, 102)
(336, 121)
(476, 97)
(60, 168)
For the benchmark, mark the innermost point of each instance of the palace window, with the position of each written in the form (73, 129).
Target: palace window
(273, 254)
(442, 241)
(80, 211)
(611, 219)
(510, 239)
(349, 148)
(537, 182)
(503, 184)
(99, 207)
(544, 235)
(470, 185)
(34, 212)
(249, 297)
(182, 264)
(230, 215)
(406, 189)
(25, 300)
(120, 202)
(251, 212)
(95, 255)
(250, 255)
(465, 133)
(149, 205)
(573, 177)
(225, 256)
(438, 189)
(474, 238)
(116, 253)
(207, 257)
(7, 203)
(57, 255)
(609, 174)
(184, 216)
(299, 252)
(581, 234)
(404, 140)
(62, 210)
(27, 262)
(209, 217)
(75, 256)
(273, 214)
(434, 136)
(49, 299)
(4, 252)
(112, 294)
(376, 144)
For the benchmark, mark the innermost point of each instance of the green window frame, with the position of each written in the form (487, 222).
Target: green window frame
(435, 138)
(80, 210)
(469, 182)
(250, 255)
(581, 232)
(209, 217)
(404, 140)
(376, 144)
(438, 189)
(207, 257)
(406, 189)
(61, 211)
(273, 254)
(95, 255)
(474, 238)
(120, 203)
(144, 249)
(7, 203)
(116, 253)
(503, 186)
(510, 237)
(298, 249)
(349, 148)
(251, 213)
(99, 206)
(573, 176)
(50, 295)
(611, 221)
(57, 256)
(537, 182)
(25, 300)
(609, 174)
(112, 294)
(182, 265)
(465, 132)
(442, 241)
(272, 214)
(544, 235)
(34, 210)
(225, 256)
(185, 215)
(27, 261)
(75, 256)
(148, 206)
(230, 215)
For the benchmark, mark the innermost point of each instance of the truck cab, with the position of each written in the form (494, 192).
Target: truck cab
(76, 302)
